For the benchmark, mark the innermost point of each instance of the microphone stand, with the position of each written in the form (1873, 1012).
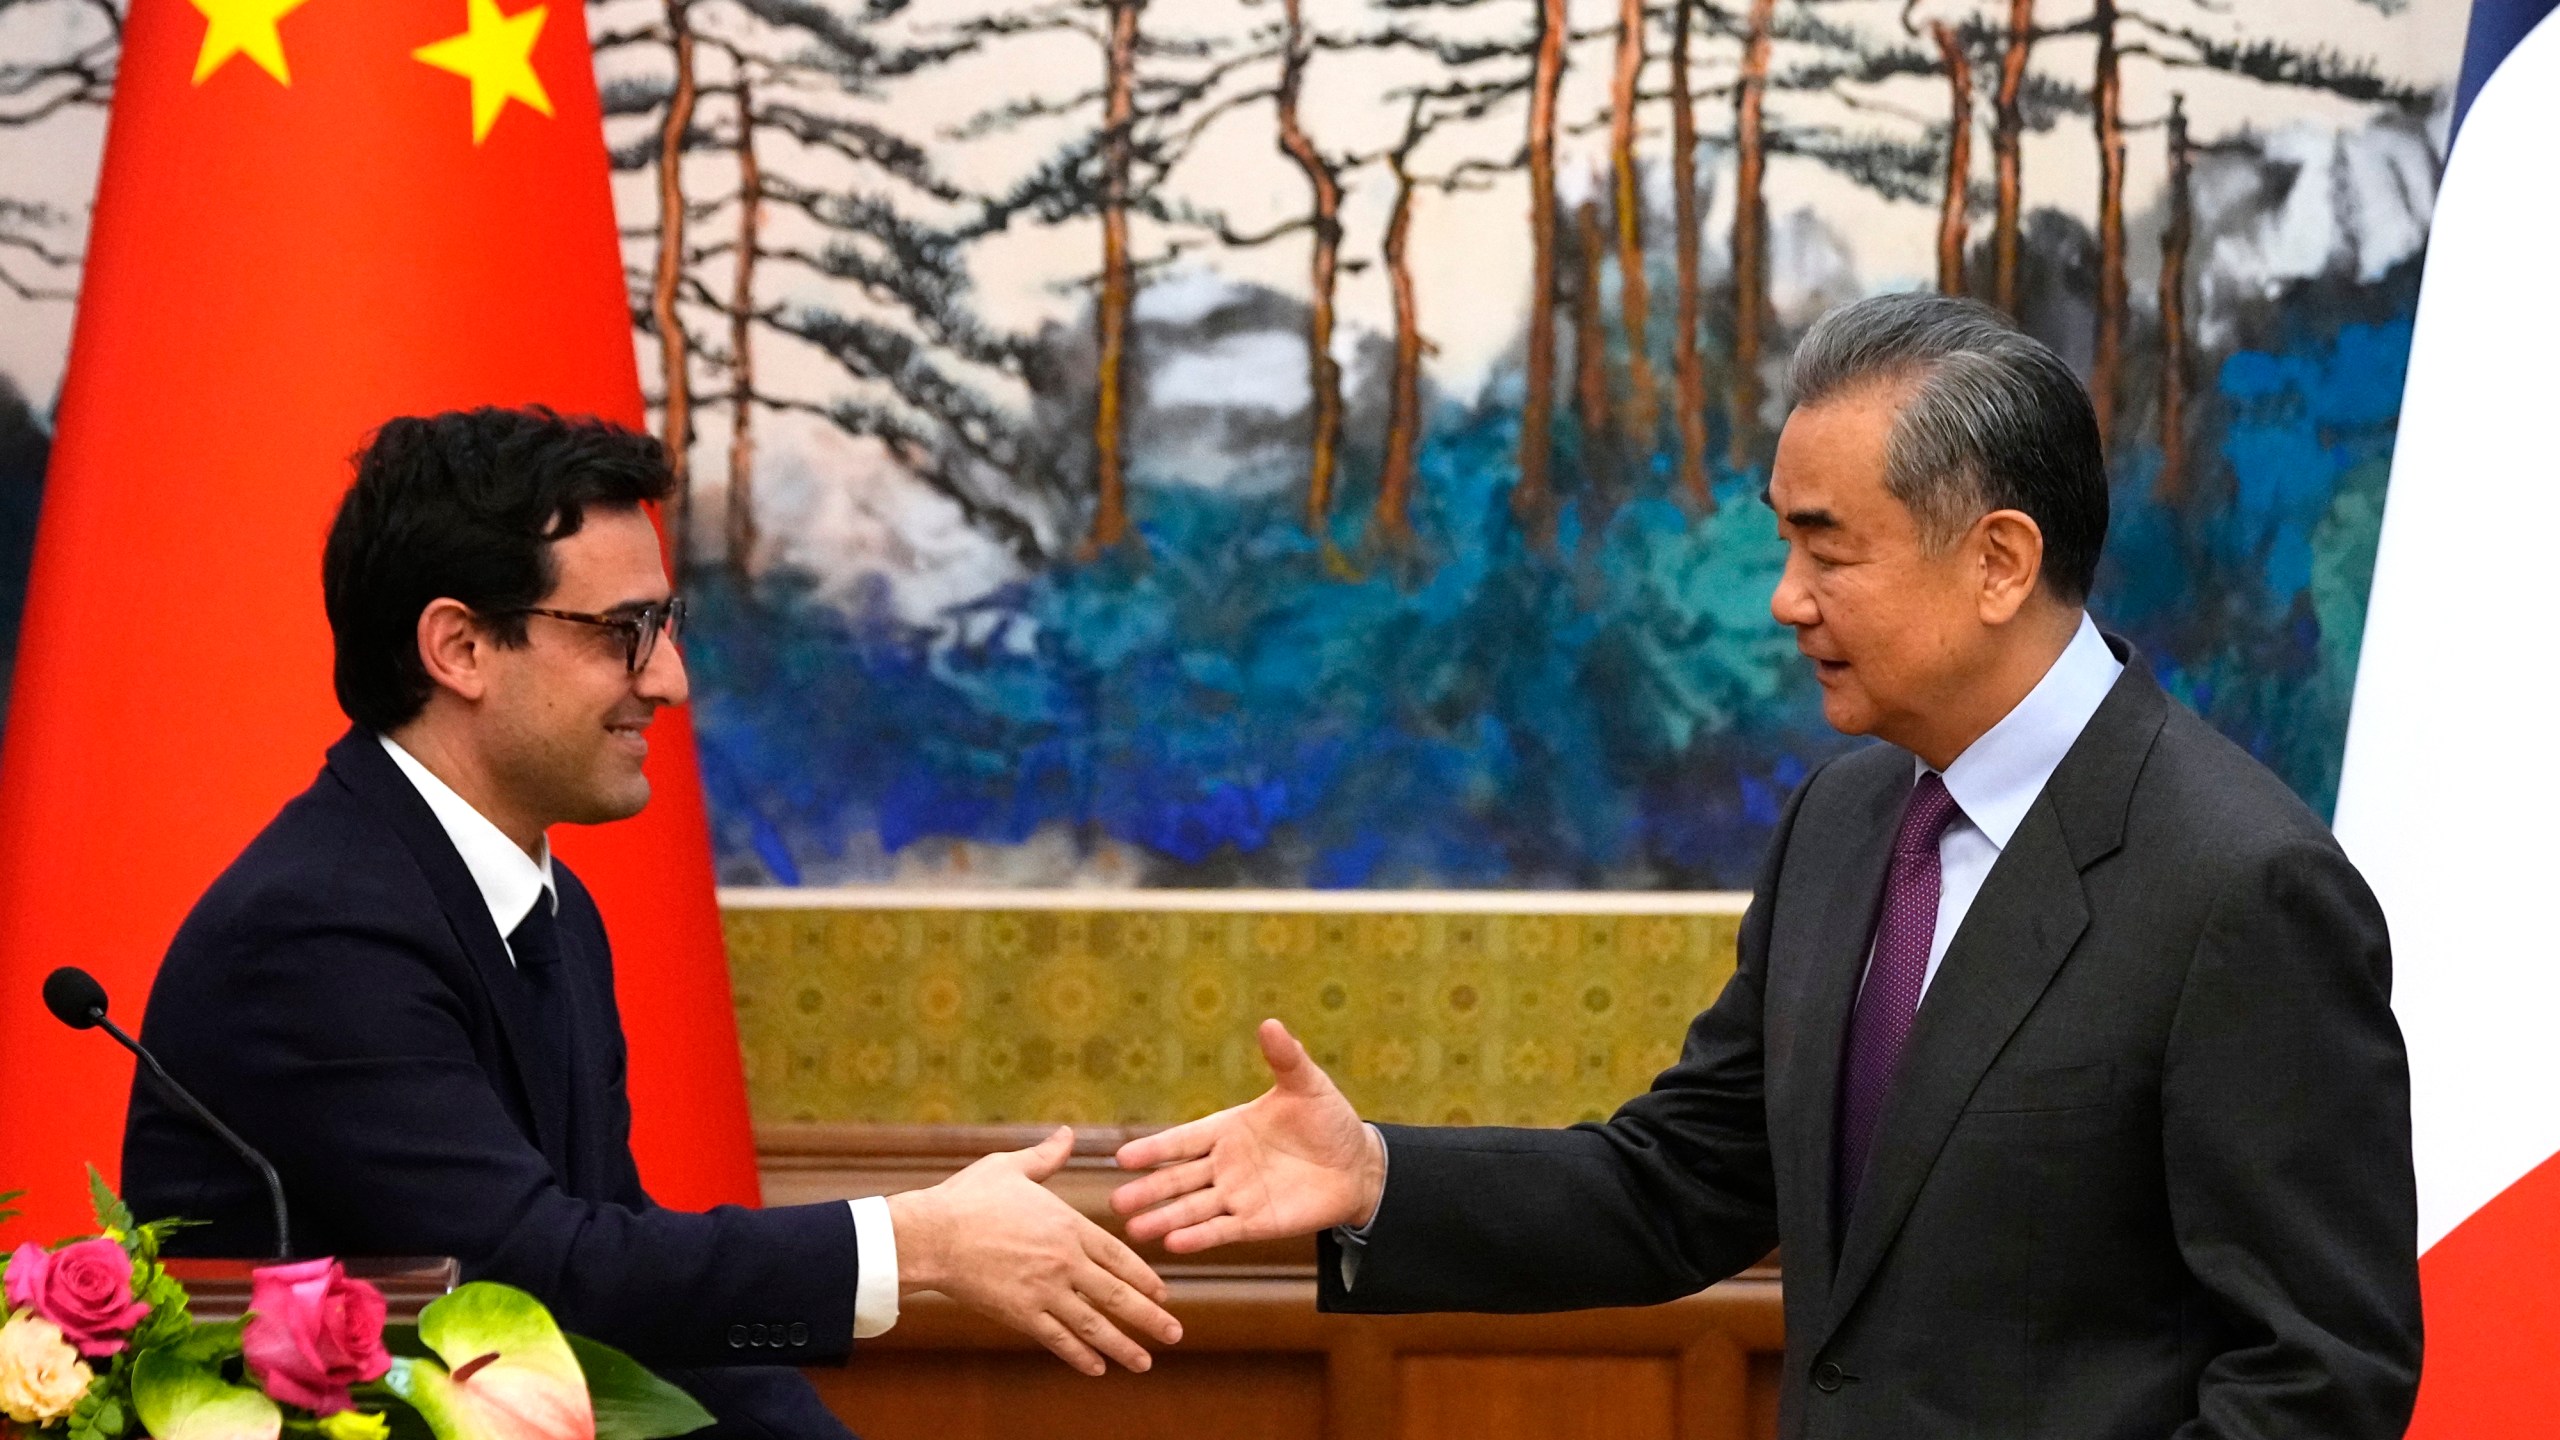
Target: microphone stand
(195, 1107)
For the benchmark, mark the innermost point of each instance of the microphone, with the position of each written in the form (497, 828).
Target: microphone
(77, 999)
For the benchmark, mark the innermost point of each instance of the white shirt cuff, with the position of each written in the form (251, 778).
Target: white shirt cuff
(875, 1289)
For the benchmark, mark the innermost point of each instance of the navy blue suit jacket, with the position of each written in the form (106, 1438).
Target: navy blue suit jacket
(341, 997)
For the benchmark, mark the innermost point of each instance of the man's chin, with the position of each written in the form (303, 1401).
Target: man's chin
(1847, 714)
(620, 801)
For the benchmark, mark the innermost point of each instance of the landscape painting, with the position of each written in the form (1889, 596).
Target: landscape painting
(1318, 444)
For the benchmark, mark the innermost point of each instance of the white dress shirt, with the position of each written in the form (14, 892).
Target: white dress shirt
(1998, 777)
(510, 883)
(509, 880)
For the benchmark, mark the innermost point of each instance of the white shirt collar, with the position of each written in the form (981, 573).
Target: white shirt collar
(2000, 775)
(509, 880)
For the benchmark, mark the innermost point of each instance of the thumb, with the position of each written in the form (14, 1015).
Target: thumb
(1290, 1066)
(1049, 1156)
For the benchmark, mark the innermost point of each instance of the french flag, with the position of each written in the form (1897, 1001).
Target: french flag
(2450, 799)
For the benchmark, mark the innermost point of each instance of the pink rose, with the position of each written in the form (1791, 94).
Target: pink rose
(86, 1290)
(313, 1333)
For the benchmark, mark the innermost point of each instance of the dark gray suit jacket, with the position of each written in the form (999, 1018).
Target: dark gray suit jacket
(2146, 1171)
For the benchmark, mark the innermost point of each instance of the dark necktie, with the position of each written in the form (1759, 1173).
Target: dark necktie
(1881, 1024)
(535, 943)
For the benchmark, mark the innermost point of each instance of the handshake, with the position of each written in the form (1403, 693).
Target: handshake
(1294, 1161)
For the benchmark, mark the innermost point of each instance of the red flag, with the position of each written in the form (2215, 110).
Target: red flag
(313, 215)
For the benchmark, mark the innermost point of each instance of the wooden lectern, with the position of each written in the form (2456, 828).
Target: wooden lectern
(219, 1289)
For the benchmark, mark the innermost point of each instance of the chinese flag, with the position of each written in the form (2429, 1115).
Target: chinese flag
(314, 215)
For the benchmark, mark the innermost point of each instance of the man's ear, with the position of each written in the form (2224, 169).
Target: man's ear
(2009, 550)
(453, 647)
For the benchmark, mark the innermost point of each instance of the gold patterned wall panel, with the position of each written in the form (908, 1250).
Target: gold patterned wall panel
(1000, 1016)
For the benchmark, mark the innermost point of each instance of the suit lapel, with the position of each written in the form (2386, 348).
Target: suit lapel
(361, 764)
(1826, 988)
(2013, 939)
(2020, 928)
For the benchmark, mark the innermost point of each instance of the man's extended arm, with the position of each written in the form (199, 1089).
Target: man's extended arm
(1671, 1194)
(376, 1110)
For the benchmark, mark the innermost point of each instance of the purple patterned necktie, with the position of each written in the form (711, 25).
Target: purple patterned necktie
(1891, 997)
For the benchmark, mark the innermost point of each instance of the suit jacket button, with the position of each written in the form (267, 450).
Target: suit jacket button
(737, 1337)
(799, 1333)
(757, 1335)
(1827, 1377)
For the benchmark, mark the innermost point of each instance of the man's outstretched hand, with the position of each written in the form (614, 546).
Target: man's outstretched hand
(991, 1238)
(1294, 1161)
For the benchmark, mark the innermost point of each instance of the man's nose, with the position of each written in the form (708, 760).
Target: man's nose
(1791, 603)
(663, 680)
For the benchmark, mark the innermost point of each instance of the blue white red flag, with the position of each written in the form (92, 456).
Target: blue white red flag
(2450, 799)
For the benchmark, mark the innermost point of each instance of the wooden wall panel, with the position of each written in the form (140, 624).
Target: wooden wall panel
(1762, 1414)
(1257, 1359)
(1560, 1397)
(981, 1396)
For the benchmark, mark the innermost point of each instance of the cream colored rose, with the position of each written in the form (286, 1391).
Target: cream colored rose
(41, 1376)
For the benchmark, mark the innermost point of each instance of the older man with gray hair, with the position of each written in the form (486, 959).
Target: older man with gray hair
(2059, 1058)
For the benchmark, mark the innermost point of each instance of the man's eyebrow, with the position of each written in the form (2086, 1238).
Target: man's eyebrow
(1804, 519)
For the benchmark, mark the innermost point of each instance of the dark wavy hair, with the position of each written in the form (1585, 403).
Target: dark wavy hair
(462, 506)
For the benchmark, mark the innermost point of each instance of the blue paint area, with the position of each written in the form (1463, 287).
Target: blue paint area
(2248, 597)
(1234, 703)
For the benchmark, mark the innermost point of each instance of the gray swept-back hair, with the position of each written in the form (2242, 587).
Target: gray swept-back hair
(1994, 421)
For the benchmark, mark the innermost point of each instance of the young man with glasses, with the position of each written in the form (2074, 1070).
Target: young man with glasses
(399, 996)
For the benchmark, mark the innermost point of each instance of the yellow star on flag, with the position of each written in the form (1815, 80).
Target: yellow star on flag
(243, 27)
(496, 56)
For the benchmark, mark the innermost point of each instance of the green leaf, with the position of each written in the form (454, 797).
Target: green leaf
(111, 1211)
(406, 1422)
(169, 1323)
(631, 1403)
(182, 1401)
(210, 1343)
(431, 1394)
(163, 1292)
(7, 1214)
(152, 1236)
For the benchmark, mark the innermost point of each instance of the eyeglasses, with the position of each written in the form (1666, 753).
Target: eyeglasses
(640, 627)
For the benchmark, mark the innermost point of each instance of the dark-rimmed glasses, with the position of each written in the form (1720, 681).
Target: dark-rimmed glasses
(640, 626)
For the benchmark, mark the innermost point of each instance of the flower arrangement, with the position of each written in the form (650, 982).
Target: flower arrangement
(96, 1343)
